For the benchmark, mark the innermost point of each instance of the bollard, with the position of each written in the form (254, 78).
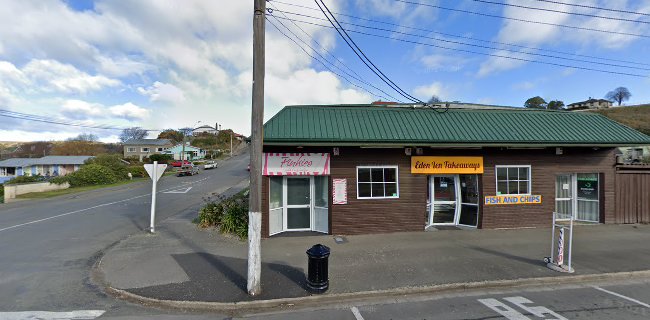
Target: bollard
(317, 278)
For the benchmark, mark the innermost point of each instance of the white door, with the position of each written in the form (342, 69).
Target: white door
(276, 205)
(297, 211)
(444, 202)
(321, 204)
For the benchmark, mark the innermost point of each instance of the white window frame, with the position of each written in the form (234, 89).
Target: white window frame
(131, 149)
(147, 149)
(159, 149)
(380, 167)
(530, 178)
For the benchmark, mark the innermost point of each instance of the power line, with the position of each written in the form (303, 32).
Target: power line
(477, 45)
(461, 36)
(36, 118)
(524, 20)
(307, 53)
(357, 77)
(560, 11)
(483, 53)
(595, 7)
(360, 53)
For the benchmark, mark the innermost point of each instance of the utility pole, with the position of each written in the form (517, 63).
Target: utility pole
(255, 203)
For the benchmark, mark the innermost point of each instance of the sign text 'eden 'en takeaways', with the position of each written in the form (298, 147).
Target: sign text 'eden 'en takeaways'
(296, 164)
(446, 165)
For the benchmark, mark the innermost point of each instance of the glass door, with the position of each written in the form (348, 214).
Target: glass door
(298, 203)
(276, 205)
(469, 198)
(321, 204)
(444, 202)
(564, 196)
(587, 196)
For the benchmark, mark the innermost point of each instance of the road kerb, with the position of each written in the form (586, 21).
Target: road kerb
(358, 297)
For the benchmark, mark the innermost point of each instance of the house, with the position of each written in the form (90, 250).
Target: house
(360, 169)
(191, 153)
(45, 166)
(590, 104)
(143, 148)
(205, 129)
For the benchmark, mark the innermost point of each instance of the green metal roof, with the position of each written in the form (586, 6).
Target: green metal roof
(373, 125)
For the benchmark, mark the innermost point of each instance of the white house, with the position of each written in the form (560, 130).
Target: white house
(204, 129)
(191, 153)
(45, 166)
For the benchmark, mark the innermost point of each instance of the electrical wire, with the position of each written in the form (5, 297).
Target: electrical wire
(357, 77)
(595, 7)
(560, 11)
(341, 31)
(483, 53)
(464, 37)
(524, 20)
(476, 45)
(31, 117)
(327, 67)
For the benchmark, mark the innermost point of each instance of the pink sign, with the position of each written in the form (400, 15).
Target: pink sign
(340, 191)
(296, 164)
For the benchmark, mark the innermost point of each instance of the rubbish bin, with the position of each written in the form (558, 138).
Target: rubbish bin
(317, 278)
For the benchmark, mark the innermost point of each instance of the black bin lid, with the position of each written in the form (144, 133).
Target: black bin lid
(319, 250)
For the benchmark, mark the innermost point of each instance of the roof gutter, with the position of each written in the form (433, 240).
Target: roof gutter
(449, 145)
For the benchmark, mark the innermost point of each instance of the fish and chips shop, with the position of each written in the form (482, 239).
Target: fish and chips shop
(359, 169)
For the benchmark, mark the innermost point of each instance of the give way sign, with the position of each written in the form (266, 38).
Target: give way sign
(159, 171)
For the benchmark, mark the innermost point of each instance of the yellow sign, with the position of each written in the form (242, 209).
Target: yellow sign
(446, 165)
(513, 199)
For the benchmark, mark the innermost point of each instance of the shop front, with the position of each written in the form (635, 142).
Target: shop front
(298, 191)
(374, 169)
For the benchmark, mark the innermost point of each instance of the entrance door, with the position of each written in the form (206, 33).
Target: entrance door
(443, 193)
(468, 200)
(577, 196)
(298, 200)
(321, 204)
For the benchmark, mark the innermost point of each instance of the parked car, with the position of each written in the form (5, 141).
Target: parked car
(210, 165)
(178, 163)
(188, 170)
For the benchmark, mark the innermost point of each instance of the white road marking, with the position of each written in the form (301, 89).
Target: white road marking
(503, 309)
(356, 313)
(623, 297)
(538, 311)
(47, 315)
(93, 207)
(179, 190)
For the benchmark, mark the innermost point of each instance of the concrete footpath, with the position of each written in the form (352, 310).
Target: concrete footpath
(187, 267)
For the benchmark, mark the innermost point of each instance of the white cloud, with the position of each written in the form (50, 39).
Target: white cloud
(129, 111)
(525, 85)
(78, 109)
(53, 75)
(434, 89)
(499, 62)
(163, 92)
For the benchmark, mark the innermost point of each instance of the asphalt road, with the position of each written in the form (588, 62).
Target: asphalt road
(48, 246)
(604, 301)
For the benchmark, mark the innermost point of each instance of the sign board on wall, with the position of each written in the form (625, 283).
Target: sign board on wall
(513, 199)
(340, 191)
(446, 165)
(296, 164)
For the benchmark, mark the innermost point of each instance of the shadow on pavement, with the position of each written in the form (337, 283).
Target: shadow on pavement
(223, 279)
(537, 262)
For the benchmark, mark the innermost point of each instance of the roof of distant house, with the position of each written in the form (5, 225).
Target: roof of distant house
(150, 142)
(589, 101)
(205, 127)
(411, 125)
(48, 160)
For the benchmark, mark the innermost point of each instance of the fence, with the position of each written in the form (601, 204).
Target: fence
(633, 193)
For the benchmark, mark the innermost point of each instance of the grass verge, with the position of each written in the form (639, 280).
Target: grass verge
(55, 193)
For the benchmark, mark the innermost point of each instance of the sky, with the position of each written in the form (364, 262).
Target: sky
(162, 64)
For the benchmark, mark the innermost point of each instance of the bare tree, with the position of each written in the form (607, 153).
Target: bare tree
(132, 133)
(85, 137)
(619, 95)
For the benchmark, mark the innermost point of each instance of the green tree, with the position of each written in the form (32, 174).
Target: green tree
(555, 105)
(535, 103)
(174, 135)
(434, 99)
(619, 95)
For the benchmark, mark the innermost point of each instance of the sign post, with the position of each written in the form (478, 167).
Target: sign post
(155, 171)
(556, 262)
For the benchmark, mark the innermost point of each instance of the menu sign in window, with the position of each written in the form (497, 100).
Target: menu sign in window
(588, 186)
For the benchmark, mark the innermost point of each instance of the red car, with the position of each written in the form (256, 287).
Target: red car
(179, 164)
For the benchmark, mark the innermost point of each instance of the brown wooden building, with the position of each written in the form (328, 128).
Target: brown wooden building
(356, 169)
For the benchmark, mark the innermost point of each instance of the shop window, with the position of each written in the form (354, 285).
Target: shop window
(375, 182)
(513, 179)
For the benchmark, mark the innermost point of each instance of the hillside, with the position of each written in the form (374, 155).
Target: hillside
(637, 117)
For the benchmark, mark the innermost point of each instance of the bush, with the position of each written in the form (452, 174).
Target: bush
(91, 174)
(161, 158)
(138, 171)
(26, 179)
(2, 193)
(59, 180)
(113, 162)
(230, 215)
